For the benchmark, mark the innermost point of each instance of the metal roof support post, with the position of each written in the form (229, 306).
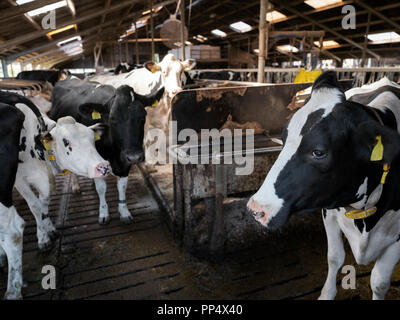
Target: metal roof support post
(136, 45)
(182, 10)
(153, 49)
(261, 41)
(4, 67)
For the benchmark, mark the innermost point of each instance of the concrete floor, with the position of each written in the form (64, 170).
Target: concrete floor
(142, 261)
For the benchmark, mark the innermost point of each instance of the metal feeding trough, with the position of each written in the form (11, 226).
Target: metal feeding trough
(203, 180)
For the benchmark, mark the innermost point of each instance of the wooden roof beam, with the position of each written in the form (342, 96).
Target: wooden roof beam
(378, 14)
(26, 16)
(18, 11)
(330, 30)
(71, 8)
(41, 33)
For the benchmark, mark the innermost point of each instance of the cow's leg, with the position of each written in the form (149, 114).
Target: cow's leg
(44, 198)
(336, 254)
(101, 188)
(382, 271)
(45, 230)
(124, 214)
(11, 233)
(75, 184)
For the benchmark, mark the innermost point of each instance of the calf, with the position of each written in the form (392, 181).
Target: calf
(68, 146)
(336, 157)
(120, 116)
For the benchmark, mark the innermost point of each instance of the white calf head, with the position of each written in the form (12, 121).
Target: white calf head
(74, 147)
(171, 70)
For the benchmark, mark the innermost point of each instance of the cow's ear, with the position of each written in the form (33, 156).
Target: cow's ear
(99, 130)
(151, 99)
(328, 79)
(189, 64)
(377, 143)
(152, 66)
(93, 111)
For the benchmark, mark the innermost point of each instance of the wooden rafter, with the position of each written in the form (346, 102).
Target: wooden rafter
(40, 33)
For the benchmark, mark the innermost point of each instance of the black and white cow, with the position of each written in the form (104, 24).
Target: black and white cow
(125, 67)
(51, 76)
(11, 224)
(326, 163)
(120, 117)
(165, 74)
(216, 75)
(73, 148)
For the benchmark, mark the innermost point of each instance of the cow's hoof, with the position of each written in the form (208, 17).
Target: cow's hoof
(15, 295)
(54, 235)
(45, 247)
(126, 220)
(104, 220)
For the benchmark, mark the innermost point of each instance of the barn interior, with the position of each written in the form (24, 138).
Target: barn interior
(192, 235)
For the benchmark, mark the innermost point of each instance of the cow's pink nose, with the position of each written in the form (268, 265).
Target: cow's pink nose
(258, 212)
(103, 169)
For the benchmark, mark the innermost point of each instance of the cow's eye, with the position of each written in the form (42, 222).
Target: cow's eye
(318, 154)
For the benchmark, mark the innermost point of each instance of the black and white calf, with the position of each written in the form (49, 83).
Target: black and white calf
(332, 160)
(120, 116)
(73, 149)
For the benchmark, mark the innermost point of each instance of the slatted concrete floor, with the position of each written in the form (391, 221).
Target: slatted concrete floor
(141, 261)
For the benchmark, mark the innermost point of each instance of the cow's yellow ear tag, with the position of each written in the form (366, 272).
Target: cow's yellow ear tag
(96, 115)
(377, 152)
(46, 145)
(155, 104)
(153, 70)
(65, 172)
(96, 136)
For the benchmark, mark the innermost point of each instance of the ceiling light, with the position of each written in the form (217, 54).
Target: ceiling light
(327, 44)
(71, 26)
(318, 4)
(21, 2)
(200, 38)
(218, 33)
(287, 48)
(47, 8)
(76, 38)
(384, 37)
(240, 27)
(154, 10)
(275, 17)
